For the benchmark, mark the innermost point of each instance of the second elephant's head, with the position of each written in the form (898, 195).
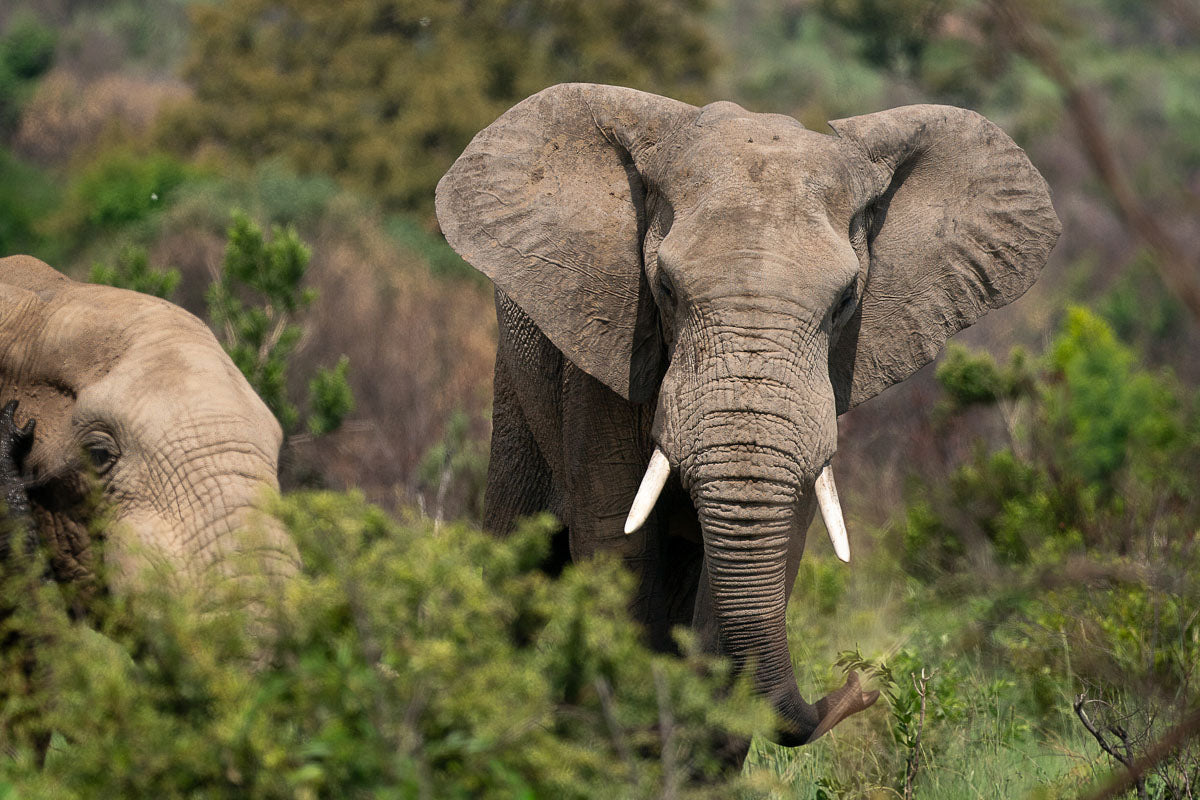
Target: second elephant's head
(141, 415)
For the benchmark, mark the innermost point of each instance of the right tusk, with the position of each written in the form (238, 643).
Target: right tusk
(831, 513)
(647, 494)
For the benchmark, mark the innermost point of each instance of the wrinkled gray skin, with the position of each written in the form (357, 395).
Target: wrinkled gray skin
(138, 391)
(721, 284)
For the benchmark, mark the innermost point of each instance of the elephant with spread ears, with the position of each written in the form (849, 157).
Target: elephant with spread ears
(132, 396)
(687, 300)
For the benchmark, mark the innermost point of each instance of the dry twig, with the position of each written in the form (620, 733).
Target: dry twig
(914, 755)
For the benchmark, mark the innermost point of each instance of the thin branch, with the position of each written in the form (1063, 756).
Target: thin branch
(1164, 747)
(914, 754)
(666, 734)
(604, 692)
(1176, 267)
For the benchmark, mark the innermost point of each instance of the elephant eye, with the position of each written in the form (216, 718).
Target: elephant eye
(101, 452)
(101, 458)
(665, 288)
(845, 304)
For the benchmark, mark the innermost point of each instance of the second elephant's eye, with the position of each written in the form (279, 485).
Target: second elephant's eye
(665, 289)
(101, 452)
(101, 458)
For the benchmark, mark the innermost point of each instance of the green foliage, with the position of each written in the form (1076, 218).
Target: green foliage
(1110, 414)
(133, 271)
(1140, 309)
(260, 336)
(1108, 441)
(458, 464)
(118, 188)
(792, 60)
(26, 196)
(892, 35)
(434, 250)
(1073, 549)
(329, 397)
(969, 378)
(385, 96)
(26, 52)
(403, 662)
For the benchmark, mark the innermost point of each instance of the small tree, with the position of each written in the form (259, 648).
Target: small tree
(261, 334)
(252, 305)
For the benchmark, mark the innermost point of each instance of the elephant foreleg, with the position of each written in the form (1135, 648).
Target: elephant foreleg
(604, 460)
(519, 482)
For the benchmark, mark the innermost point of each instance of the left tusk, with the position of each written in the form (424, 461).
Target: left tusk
(647, 494)
(831, 513)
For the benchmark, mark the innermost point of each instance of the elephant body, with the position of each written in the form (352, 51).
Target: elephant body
(704, 290)
(135, 396)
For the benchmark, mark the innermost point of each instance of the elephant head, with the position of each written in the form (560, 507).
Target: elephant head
(752, 279)
(137, 393)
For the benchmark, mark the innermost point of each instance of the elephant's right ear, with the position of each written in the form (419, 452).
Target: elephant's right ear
(548, 202)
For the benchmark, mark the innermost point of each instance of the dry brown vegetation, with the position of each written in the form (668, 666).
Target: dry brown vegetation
(70, 113)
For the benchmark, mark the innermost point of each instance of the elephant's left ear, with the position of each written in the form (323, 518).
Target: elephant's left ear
(963, 223)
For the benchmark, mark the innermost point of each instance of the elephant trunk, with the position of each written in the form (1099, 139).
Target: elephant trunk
(747, 523)
(223, 552)
(751, 424)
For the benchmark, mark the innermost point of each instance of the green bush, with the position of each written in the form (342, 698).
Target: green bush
(403, 662)
(253, 304)
(26, 52)
(133, 271)
(118, 188)
(26, 196)
(1106, 442)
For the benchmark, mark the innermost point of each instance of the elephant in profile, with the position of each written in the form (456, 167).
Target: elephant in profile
(687, 300)
(136, 393)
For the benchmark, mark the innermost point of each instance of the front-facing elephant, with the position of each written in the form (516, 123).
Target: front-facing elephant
(135, 394)
(704, 290)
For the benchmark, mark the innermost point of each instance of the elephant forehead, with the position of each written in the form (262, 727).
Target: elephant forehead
(759, 162)
(184, 384)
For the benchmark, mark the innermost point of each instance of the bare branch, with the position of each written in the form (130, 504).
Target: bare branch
(1177, 268)
(666, 734)
(914, 755)
(1163, 748)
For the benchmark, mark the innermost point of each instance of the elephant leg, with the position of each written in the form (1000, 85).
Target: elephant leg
(682, 553)
(518, 480)
(606, 449)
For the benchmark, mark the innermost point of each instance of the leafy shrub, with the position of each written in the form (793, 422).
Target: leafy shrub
(1107, 441)
(261, 336)
(402, 663)
(457, 464)
(133, 271)
(26, 195)
(118, 188)
(390, 101)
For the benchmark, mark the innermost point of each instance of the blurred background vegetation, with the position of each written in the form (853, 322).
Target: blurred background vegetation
(1025, 511)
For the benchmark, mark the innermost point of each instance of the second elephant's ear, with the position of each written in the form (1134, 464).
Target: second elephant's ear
(963, 224)
(548, 201)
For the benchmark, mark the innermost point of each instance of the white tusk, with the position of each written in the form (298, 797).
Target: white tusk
(831, 513)
(647, 494)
